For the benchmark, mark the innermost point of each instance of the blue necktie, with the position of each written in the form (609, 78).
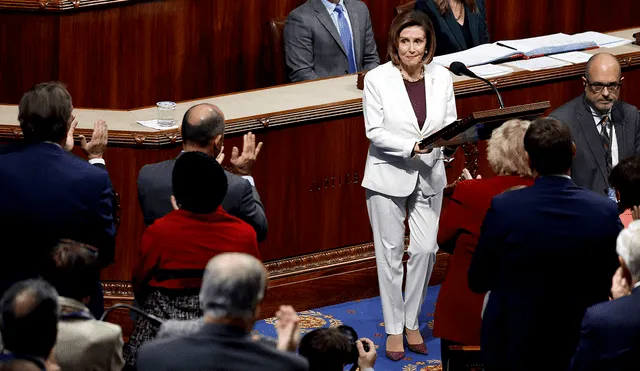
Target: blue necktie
(345, 36)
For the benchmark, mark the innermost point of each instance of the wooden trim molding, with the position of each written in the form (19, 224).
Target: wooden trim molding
(56, 6)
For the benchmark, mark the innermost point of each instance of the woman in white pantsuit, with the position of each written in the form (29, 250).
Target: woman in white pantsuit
(406, 100)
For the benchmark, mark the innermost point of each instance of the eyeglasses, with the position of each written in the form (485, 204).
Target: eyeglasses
(597, 87)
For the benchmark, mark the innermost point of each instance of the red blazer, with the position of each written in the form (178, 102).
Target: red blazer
(182, 240)
(457, 315)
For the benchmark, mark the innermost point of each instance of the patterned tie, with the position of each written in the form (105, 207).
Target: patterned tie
(605, 129)
(345, 36)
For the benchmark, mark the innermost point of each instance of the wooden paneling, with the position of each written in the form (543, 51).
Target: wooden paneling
(138, 53)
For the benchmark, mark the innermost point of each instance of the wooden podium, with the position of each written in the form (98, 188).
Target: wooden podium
(479, 125)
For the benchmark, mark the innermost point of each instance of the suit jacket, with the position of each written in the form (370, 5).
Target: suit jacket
(457, 315)
(213, 348)
(546, 253)
(589, 169)
(312, 44)
(449, 37)
(86, 343)
(610, 336)
(392, 128)
(155, 190)
(47, 194)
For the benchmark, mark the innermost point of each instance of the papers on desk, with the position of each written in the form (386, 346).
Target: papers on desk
(154, 125)
(549, 44)
(537, 64)
(573, 57)
(478, 55)
(491, 70)
(603, 41)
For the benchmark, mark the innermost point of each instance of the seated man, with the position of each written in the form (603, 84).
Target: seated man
(233, 288)
(203, 131)
(625, 179)
(325, 38)
(546, 253)
(29, 320)
(328, 349)
(83, 342)
(47, 194)
(610, 330)
(176, 248)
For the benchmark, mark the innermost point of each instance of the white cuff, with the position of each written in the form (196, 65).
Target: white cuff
(94, 161)
(250, 179)
(367, 369)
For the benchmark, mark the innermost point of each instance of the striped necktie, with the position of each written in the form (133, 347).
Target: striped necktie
(345, 36)
(605, 137)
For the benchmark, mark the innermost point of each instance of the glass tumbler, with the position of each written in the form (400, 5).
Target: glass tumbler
(166, 114)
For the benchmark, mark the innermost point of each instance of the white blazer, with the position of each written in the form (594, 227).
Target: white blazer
(393, 130)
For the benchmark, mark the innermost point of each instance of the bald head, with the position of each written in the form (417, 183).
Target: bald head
(603, 63)
(30, 318)
(233, 286)
(202, 124)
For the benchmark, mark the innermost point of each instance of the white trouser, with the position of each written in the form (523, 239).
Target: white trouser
(387, 215)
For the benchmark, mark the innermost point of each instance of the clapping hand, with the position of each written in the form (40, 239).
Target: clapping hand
(99, 138)
(619, 285)
(287, 328)
(242, 163)
(467, 175)
(635, 212)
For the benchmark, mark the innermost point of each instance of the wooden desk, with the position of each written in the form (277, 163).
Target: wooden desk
(318, 249)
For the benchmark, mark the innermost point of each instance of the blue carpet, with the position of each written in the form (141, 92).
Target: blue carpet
(365, 316)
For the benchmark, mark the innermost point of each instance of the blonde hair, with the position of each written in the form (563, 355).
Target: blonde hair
(505, 150)
(443, 5)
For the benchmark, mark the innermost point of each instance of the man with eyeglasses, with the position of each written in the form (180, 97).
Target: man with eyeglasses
(604, 129)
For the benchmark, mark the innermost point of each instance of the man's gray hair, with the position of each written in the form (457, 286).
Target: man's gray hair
(628, 248)
(233, 285)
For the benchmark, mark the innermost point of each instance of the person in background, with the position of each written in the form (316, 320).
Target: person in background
(458, 24)
(457, 319)
(83, 343)
(175, 249)
(329, 349)
(46, 193)
(610, 330)
(29, 326)
(203, 131)
(546, 253)
(406, 100)
(625, 179)
(605, 129)
(326, 38)
(233, 287)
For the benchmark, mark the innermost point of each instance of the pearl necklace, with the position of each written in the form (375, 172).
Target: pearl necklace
(405, 77)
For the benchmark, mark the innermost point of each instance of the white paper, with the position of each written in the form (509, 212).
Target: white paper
(491, 70)
(154, 125)
(601, 39)
(536, 64)
(478, 55)
(572, 57)
(527, 45)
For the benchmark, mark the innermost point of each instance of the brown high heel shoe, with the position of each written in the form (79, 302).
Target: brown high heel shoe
(394, 355)
(420, 348)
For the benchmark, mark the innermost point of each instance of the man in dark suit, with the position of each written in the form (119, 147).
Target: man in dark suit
(546, 253)
(611, 330)
(47, 194)
(203, 131)
(233, 287)
(458, 27)
(605, 129)
(325, 38)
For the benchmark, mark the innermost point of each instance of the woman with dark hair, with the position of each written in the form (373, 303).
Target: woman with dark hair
(458, 24)
(406, 100)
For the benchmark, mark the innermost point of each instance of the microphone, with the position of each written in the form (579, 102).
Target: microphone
(460, 69)
(151, 317)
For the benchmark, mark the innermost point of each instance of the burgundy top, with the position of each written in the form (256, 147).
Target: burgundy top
(418, 99)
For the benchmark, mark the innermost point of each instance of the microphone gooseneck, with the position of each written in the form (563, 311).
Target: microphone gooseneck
(460, 69)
